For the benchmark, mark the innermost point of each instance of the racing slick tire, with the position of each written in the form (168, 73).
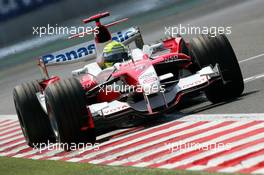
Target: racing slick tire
(206, 50)
(33, 120)
(66, 106)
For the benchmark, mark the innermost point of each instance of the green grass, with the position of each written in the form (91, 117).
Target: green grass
(18, 166)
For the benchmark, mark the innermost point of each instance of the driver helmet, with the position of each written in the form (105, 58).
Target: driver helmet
(114, 52)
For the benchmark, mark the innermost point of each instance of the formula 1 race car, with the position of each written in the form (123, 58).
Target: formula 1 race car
(152, 82)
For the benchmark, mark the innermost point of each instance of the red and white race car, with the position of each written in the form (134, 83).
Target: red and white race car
(151, 83)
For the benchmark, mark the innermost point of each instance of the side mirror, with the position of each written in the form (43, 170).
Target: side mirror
(148, 50)
(92, 68)
(98, 108)
(78, 72)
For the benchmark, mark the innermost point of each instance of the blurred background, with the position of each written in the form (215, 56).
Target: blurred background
(18, 17)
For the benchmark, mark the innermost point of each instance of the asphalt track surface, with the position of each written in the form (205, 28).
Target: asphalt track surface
(145, 146)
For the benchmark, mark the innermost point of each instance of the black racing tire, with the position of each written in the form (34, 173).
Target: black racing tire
(66, 105)
(33, 120)
(184, 48)
(206, 50)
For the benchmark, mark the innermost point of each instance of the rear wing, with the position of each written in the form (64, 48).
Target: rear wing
(87, 50)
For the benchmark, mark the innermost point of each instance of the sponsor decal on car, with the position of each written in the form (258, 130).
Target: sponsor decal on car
(195, 83)
(150, 80)
(77, 52)
(125, 34)
(85, 50)
(115, 109)
(191, 81)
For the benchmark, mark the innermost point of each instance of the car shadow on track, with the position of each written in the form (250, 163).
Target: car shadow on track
(194, 103)
(211, 106)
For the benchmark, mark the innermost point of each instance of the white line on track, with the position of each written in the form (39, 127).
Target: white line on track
(223, 117)
(254, 77)
(8, 117)
(251, 58)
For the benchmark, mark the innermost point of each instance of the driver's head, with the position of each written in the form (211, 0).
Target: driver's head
(114, 52)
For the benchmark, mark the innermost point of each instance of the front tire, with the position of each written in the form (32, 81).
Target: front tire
(206, 50)
(33, 120)
(66, 105)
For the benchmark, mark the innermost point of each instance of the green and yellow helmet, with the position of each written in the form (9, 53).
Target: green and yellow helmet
(114, 52)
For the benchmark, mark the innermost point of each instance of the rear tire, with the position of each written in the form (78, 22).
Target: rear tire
(66, 105)
(206, 50)
(33, 120)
